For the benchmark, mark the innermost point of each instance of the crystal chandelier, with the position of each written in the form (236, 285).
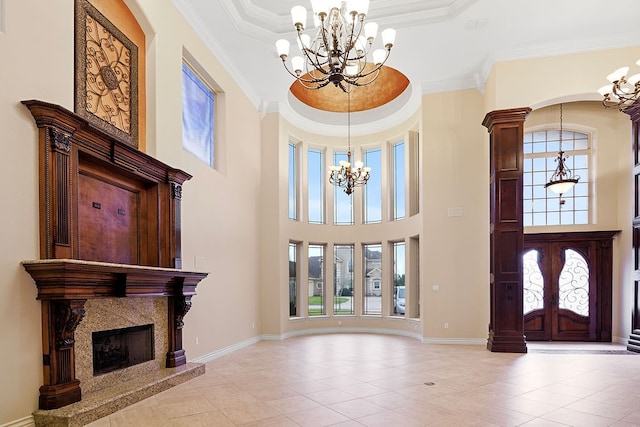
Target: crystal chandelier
(345, 175)
(623, 91)
(562, 179)
(338, 52)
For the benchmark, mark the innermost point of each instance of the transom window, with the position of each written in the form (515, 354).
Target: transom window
(542, 206)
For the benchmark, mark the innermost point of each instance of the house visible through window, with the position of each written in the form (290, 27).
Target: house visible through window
(398, 278)
(343, 279)
(293, 279)
(542, 206)
(197, 115)
(372, 279)
(315, 271)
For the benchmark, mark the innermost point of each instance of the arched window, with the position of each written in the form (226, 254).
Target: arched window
(542, 206)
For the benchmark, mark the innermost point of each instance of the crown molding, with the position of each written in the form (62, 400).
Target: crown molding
(193, 19)
(250, 17)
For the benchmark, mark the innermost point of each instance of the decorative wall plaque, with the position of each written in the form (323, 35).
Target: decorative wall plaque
(106, 74)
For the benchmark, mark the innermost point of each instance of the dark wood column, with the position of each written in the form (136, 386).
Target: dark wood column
(59, 321)
(506, 326)
(634, 339)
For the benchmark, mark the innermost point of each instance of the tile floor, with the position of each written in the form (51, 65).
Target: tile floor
(382, 380)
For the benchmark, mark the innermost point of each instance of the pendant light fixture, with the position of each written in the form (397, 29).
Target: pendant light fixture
(562, 179)
(345, 175)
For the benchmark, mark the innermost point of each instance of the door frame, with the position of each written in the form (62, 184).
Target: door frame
(602, 269)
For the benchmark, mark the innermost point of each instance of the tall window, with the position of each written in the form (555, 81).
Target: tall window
(399, 278)
(293, 280)
(343, 279)
(542, 206)
(373, 189)
(414, 266)
(316, 177)
(372, 279)
(317, 293)
(293, 181)
(342, 202)
(197, 115)
(398, 174)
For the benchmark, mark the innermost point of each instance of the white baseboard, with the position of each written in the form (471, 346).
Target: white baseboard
(227, 350)
(22, 422)
(620, 340)
(458, 341)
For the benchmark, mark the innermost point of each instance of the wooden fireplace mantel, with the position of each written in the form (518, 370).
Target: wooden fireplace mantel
(110, 226)
(59, 279)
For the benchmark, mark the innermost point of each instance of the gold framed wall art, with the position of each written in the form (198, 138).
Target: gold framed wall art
(106, 74)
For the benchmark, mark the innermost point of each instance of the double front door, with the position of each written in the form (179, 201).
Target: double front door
(567, 287)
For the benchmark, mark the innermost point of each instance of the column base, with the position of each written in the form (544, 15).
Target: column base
(506, 343)
(59, 395)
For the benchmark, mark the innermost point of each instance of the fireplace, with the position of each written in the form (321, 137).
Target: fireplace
(91, 181)
(121, 348)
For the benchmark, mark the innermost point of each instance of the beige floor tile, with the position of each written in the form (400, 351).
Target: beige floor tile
(244, 412)
(331, 396)
(322, 416)
(205, 419)
(353, 380)
(528, 406)
(288, 405)
(577, 418)
(279, 421)
(356, 408)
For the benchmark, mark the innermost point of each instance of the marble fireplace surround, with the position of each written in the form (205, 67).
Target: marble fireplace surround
(110, 244)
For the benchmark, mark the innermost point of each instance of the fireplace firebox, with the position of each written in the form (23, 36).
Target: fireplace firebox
(120, 348)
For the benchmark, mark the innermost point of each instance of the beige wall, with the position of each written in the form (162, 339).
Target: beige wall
(535, 82)
(234, 218)
(38, 64)
(456, 248)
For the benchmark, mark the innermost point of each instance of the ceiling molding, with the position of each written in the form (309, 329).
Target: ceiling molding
(252, 19)
(362, 123)
(450, 85)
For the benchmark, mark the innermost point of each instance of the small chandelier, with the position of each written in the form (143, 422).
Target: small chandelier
(338, 52)
(562, 179)
(623, 91)
(345, 176)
